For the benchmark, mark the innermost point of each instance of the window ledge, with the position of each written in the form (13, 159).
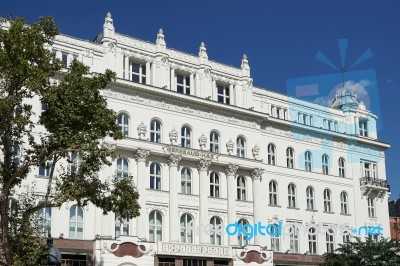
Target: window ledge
(345, 214)
(293, 208)
(311, 210)
(42, 176)
(273, 205)
(329, 212)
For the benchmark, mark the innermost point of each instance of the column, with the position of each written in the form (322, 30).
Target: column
(172, 83)
(204, 185)
(357, 125)
(173, 197)
(148, 73)
(191, 80)
(126, 67)
(142, 221)
(198, 86)
(214, 95)
(230, 172)
(258, 201)
(231, 95)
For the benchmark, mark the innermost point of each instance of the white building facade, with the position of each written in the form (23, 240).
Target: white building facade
(205, 146)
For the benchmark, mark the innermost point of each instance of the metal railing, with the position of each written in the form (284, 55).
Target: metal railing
(371, 181)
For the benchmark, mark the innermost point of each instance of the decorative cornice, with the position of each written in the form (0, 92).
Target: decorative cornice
(160, 104)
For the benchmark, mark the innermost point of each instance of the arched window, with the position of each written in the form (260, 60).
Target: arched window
(187, 228)
(240, 147)
(214, 141)
(312, 241)
(17, 155)
(308, 161)
(155, 176)
(214, 185)
(186, 181)
(216, 236)
(292, 195)
(294, 239)
(344, 207)
(121, 226)
(76, 222)
(330, 241)
(290, 158)
(44, 215)
(155, 226)
(327, 201)
(275, 243)
(241, 188)
(273, 193)
(186, 137)
(342, 166)
(122, 168)
(325, 164)
(155, 131)
(123, 124)
(271, 154)
(310, 198)
(75, 162)
(242, 239)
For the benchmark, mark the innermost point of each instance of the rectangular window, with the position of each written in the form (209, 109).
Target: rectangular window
(371, 208)
(294, 240)
(45, 170)
(369, 169)
(137, 72)
(223, 94)
(363, 128)
(183, 84)
(64, 60)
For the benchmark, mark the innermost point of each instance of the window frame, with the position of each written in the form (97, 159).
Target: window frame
(342, 167)
(141, 74)
(185, 85)
(224, 96)
(344, 204)
(325, 164)
(155, 178)
(155, 131)
(312, 241)
(310, 196)
(290, 158)
(241, 147)
(273, 193)
(215, 185)
(215, 237)
(154, 228)
(292, 200)
(308, 161)
(76, 222)
(186, 181)
(241, 188)
(124, 123)
(327, 200)
(271, 154)
(214, 141)
(122, 168)
(186, 229)
(122, 226)
(186, 136)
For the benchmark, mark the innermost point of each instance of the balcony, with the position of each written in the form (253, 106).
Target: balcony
(374, 187)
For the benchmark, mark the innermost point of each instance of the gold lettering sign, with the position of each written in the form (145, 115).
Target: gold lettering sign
(193, 250)
(190, 152)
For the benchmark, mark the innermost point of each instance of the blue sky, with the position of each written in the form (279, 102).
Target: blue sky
(280, 38)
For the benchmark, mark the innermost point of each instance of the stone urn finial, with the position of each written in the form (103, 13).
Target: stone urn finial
(173, 136)
(229, 146)
(142, 130)
(202, 141)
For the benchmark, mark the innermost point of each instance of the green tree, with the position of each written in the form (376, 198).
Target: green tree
(368, 252)
(77, 121)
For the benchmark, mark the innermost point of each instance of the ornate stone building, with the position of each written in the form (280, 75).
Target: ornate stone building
(205, 146)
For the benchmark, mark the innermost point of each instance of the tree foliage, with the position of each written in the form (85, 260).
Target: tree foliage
(76, 122)
(368, 253)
